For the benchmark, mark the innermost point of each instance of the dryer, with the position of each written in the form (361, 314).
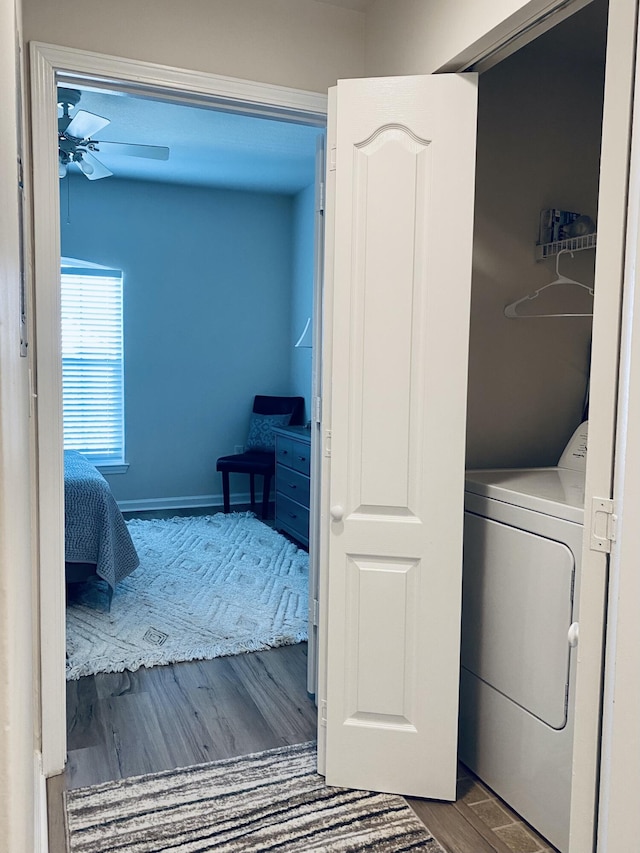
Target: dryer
(522, 550)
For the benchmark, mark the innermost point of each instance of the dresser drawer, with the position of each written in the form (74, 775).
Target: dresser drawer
(292, 484)
(293, 517)
(301, 457)
(284, 451)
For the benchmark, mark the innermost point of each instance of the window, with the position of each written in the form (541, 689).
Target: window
(92, 362)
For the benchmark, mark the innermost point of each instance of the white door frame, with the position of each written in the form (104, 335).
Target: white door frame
(609, 274)
(619, 818)
(49, 64)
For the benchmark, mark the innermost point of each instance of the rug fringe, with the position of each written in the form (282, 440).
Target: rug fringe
(155, 521)
(200, 653)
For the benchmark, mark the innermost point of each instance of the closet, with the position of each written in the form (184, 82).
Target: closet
(539, 139)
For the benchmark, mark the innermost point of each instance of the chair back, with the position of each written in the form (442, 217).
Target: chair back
(265, 405)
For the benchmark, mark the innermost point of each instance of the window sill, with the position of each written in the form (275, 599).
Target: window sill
(113, 467)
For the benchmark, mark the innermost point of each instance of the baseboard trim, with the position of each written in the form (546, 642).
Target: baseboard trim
(40, 824)
(181, 502)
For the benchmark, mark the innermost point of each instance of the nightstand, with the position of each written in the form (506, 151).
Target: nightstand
(293, 460)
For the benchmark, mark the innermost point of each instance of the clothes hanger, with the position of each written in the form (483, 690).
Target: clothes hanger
(511, 309)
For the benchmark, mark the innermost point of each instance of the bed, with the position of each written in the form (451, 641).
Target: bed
(97, 540)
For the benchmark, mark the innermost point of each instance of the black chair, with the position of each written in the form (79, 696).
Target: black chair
(259, 460)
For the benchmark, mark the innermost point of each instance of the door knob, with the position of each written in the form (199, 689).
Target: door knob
(337, 512)
(573, 634)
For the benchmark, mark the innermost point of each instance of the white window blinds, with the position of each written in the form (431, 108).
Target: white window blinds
(92, 363)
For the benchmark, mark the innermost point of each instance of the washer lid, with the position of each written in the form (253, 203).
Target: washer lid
(552, 491)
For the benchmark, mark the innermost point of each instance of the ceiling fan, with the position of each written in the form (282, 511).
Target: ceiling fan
(75, 143)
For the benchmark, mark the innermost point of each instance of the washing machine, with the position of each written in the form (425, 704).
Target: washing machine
(521, 577)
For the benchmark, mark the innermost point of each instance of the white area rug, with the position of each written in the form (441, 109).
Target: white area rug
(206, 587)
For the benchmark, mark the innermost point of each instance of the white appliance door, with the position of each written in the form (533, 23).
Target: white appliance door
(404, 159)
(517, 605)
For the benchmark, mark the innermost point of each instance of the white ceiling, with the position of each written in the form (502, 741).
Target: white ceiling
(207, 147)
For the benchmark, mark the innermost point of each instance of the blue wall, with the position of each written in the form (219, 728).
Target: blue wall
(208, 294)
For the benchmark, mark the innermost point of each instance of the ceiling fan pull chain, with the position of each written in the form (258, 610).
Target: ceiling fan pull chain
(68, 202)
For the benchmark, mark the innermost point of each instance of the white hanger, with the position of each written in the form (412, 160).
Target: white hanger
(511, 312)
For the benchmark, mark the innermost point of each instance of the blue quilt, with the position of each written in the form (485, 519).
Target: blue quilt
(94, 529)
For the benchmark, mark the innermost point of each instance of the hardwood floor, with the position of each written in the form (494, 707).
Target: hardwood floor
(126, 724)
(171, 716)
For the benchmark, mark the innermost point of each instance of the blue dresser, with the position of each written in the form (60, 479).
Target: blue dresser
(293, 461)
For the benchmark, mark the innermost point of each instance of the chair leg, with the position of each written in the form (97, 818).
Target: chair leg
(225, 490)
(252, 486)
(266, 488)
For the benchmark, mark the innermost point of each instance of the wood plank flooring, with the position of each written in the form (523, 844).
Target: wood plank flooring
(125, 724)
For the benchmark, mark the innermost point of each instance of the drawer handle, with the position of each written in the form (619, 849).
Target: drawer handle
(284, 453)
(302, 458)
(292, 515)
(292, 486)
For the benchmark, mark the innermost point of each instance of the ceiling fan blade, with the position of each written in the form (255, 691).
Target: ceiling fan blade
(152, 152)
(94, 169)
(84, 124)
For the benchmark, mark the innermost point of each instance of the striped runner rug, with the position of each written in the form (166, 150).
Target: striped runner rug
(268, 801)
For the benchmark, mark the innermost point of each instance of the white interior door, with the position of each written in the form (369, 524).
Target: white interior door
(403, 150)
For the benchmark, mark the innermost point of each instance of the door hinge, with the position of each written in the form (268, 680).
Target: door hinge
(317, 409)
(315, 618)
(327, 442)
(603, 524)
(332, 159)
(321, 197)
(323, 712)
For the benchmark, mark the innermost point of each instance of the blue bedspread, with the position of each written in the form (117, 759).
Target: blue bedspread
(94, 529)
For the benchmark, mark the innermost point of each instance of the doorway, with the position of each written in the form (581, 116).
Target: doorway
(216, 247)
(271, 102)
(111, 730)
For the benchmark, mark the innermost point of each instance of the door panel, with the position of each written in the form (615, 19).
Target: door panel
(404, 160)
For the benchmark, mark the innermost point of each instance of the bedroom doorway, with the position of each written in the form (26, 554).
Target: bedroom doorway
(271, 104)
(210, 709)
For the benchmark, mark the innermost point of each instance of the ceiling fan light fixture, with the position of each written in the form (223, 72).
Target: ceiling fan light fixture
(63, 161)
(86, 167)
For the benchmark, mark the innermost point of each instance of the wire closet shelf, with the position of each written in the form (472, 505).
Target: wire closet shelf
(571, 244)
